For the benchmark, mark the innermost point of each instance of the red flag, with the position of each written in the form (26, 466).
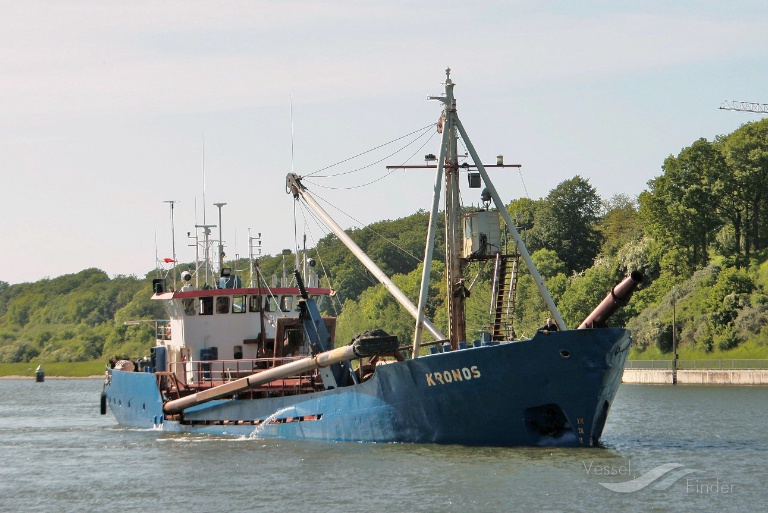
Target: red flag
(168, 260)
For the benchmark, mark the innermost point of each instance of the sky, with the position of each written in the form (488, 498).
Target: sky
(110, 109)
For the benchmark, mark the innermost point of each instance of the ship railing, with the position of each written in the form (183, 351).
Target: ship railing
(210, 373)
(743, 364)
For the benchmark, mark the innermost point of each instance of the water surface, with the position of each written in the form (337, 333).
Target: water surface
(59, 454)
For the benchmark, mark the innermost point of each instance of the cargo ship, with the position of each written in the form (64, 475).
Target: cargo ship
(263, 361)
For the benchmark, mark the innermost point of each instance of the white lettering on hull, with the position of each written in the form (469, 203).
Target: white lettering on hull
(452, 376)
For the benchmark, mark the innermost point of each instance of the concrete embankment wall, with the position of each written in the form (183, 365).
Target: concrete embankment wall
(698, 376)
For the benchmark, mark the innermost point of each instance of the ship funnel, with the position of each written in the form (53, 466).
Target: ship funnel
(617, 297)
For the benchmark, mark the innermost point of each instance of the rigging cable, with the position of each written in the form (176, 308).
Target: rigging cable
(423, 129)
(320, 259)
(377, 179)
(295, 238)
(272, 295)
(520, 171)
(404, 251)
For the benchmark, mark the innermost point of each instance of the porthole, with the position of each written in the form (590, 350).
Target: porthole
(565, 354)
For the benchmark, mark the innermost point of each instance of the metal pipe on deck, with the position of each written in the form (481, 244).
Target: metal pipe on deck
(260, 378)
(364, 345)
(617, 297)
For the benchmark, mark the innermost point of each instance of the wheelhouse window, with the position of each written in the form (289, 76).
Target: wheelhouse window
(206, 306)
(238, 304)
(286, 303)
(164, 330)
(189, 306)
(271, 305)
(222, 304)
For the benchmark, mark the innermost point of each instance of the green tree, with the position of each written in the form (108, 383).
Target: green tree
(395, 246)
(620, 225)
(531, 310)
(523, 212)
(729, 294)
(585, 293)
(746, 152)
(566, 223)
(681, 206)
(376, 308)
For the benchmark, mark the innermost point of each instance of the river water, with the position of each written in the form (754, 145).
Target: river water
(683, 448)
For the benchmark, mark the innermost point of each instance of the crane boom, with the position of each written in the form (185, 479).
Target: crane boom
(760, 108)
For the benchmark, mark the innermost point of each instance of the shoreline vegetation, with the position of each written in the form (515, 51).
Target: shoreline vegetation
(50, 377)
(699, 233)
(95, 369)
(53, 370)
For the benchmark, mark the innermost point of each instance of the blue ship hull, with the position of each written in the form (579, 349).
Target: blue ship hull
(555, 389)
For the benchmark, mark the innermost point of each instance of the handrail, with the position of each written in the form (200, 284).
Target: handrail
(207, 372)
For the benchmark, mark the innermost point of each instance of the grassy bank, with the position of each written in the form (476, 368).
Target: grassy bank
(747, 351)
(96, 367)
(54, 369)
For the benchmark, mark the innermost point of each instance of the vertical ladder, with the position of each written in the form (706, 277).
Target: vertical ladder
(503, 302)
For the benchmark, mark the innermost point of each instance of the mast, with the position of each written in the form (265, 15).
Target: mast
(455, 265)
(206, 250)
(221, 241)
(457, 292)
(173, 243)
(457, 331)
(251, 255)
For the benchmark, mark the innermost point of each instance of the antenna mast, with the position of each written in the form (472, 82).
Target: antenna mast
(221, 240)
(173, 242)
(291, 133)
(206, 227)
(251, 255)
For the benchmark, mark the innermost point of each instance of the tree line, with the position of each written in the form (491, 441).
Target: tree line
(698, 232)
